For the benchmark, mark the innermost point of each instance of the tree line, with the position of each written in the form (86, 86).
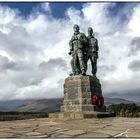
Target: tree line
(125, 110)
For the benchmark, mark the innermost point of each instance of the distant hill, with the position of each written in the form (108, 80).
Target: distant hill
(53, 105)
(7, 105)
(2, 108)
(109, 101)
(131, 94)
(42, 105)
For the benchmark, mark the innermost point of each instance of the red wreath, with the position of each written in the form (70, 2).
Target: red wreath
(94, 99)
(97, 100)
(100, 101)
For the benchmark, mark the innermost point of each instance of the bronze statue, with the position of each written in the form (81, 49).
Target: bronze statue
(93, 48)
(82, 49)
(77, 49)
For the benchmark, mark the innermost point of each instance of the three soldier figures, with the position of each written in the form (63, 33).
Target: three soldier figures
(82, 49)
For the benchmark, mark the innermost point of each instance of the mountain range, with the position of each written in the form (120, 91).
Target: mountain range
(47, 105)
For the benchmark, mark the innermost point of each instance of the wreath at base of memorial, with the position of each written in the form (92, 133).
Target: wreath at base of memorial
(97, 100)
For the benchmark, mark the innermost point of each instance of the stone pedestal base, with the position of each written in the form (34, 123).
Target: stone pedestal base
(77, 94)
(78, 102)
(76, 108)
(80, 115)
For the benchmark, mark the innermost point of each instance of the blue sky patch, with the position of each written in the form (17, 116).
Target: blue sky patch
(58, 8)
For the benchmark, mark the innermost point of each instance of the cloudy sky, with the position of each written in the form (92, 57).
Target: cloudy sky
(34, 38)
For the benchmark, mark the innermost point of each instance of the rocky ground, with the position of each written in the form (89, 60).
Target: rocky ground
(86, 128)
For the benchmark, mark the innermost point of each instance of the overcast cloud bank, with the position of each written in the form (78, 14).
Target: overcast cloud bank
(34, 58)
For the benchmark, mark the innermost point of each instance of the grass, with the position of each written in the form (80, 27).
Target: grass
(9, 116)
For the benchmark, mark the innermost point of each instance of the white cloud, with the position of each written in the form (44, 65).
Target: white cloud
(7, 15)
(74, 15)
(134, 23)
(41, 39)
(46, 7)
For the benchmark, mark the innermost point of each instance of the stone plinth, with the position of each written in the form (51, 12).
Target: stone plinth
(80, 115)
(77, 94)
(82, 99)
